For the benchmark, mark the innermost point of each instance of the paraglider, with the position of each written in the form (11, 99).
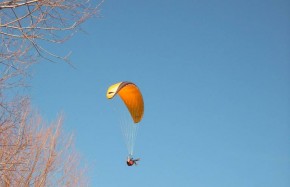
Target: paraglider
(132, 161)
(131, 96)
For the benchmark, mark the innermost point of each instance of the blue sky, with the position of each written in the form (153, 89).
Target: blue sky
(216, 86)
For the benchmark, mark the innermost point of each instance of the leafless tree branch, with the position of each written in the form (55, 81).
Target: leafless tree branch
(27, 26)
(33, 153)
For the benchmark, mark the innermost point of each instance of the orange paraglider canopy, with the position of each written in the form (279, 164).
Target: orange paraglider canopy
(131, 96)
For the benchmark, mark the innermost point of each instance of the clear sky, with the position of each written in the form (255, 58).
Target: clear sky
(215, 77)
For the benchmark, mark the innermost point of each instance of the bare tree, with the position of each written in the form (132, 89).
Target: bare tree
(28, 28)
(25, 24)
(35, 154)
